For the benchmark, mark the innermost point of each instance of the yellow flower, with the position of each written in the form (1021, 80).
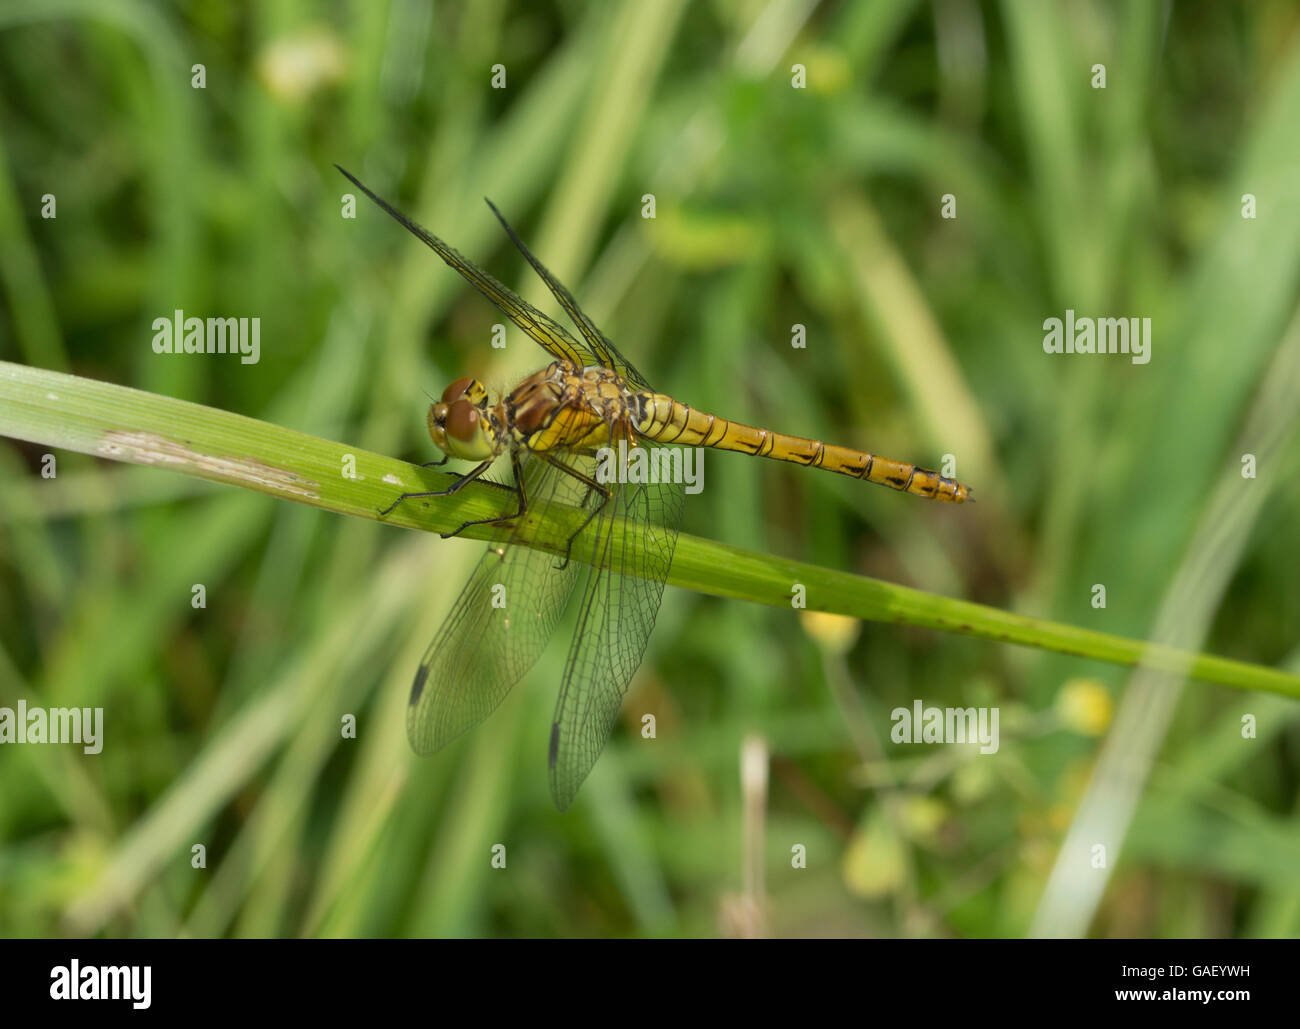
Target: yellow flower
(875, 860)
(836, 633)
(1084, 706)
(829, 71)
(922, 817)
(295, 66)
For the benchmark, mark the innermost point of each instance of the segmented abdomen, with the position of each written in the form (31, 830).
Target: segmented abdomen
(661, 418)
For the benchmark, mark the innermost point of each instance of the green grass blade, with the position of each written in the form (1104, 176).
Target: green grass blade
(124, 424)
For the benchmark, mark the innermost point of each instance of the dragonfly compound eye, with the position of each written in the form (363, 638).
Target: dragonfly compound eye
(463, 432)
(462, 421)
(456, 390)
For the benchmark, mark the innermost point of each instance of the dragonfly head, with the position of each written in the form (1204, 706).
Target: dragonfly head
(459, 422)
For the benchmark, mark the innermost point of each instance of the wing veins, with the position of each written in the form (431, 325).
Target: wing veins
(475, 658)
(550, 334)
(604, 351)
(616, 617)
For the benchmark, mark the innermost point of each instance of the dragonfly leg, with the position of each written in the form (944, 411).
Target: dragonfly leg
(455, 487)
(517, 489)
(604, 492)
(434, 464)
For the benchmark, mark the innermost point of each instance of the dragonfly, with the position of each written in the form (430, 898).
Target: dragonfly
(553, 428)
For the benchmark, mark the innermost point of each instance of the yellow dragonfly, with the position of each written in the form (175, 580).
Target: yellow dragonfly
(555, 426)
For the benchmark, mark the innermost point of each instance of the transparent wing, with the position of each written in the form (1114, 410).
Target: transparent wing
(603, 352)
(553, 337)
(624, 585)
(498, 627)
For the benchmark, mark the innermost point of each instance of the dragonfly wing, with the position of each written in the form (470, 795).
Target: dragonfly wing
(552, 336)
(497, 629)
(603, 352)
(624, 585)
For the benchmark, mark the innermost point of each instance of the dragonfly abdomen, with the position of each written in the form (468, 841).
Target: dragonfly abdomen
(665, 420)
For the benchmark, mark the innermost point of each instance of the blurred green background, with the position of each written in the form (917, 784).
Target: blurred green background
(775, 206)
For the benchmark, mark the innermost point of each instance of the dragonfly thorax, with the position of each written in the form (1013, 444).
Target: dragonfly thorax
(461, 425)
